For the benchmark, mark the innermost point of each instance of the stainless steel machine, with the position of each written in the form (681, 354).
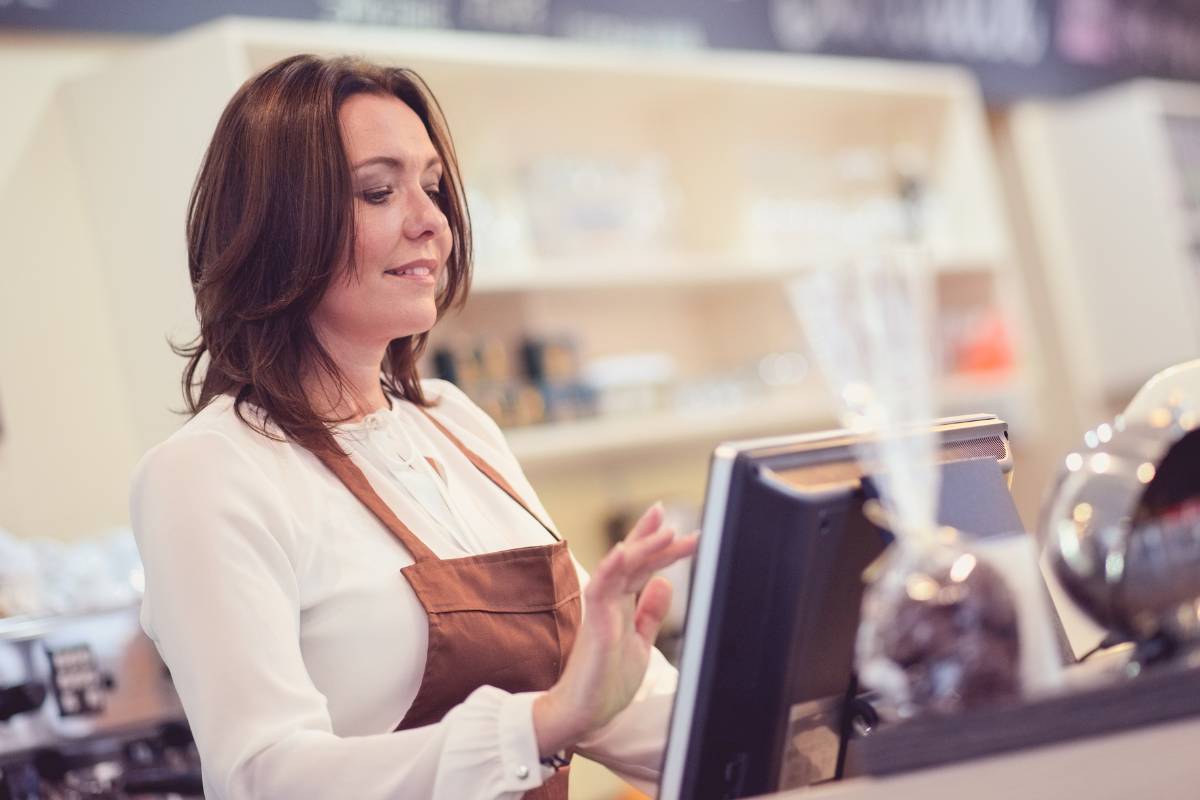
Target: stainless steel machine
(87, 710)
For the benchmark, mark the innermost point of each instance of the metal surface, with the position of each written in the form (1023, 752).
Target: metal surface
(1123, 525)
(90, 711)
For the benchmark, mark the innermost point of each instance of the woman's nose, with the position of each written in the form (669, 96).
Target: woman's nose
(425, 218)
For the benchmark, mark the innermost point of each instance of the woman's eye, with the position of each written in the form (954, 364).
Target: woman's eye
(435, 194)
(377, 196)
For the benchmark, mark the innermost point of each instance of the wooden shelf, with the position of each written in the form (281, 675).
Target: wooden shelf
(671, 270)
(779, 412)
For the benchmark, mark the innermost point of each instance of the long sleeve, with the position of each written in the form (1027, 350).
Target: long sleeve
(632, 744)
(221, 553)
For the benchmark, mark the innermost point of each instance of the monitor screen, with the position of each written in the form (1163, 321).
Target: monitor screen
(766, 667)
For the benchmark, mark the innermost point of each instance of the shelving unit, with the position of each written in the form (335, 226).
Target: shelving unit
(706, 120)
(577, 274)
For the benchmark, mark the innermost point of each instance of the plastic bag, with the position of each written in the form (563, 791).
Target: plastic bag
(938, 628)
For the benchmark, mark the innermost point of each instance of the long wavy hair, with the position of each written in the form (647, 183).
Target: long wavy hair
(270, 220)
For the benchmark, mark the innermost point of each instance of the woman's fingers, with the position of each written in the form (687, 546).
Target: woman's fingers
(627, 567)
(639, 556)
(608, 577)
(612, 577)
(648, 523)
(675, 548)
(652, 608)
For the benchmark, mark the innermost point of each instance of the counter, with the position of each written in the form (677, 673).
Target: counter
(1158, 762)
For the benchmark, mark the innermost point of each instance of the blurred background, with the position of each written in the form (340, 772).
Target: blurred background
(644, 180)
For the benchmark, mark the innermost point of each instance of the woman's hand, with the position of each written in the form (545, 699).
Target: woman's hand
(623, 610)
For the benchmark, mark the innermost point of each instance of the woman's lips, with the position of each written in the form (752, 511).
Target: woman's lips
(423, 271)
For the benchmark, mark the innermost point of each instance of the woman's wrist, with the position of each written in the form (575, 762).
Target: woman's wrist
(553, 726)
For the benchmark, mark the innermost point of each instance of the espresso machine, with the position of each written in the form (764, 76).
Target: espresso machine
(88, 710)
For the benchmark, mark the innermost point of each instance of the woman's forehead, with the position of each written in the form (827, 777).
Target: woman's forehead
(382, 128)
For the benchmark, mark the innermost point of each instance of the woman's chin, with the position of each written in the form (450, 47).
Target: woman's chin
(414, 327)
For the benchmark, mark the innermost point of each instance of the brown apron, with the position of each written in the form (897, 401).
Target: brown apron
(505, 619)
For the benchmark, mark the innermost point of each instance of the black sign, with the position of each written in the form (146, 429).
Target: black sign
(1016, 47)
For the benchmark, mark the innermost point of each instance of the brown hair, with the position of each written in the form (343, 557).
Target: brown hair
(270, 219)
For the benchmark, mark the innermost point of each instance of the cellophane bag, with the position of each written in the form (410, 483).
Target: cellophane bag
(939, 628)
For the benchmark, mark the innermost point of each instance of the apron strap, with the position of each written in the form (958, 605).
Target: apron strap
(349, 473)
(489, 471)
(352, 476)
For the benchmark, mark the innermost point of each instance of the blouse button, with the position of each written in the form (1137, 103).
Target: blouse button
(522, 771)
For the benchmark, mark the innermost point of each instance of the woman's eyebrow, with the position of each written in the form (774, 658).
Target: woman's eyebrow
(396, 163)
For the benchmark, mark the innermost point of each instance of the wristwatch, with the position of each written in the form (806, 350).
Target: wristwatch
(557, 760)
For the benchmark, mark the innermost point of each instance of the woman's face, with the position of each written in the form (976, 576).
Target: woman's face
(387, 289)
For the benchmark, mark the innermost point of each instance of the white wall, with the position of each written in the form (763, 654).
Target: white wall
(58, 362)
(31, 68)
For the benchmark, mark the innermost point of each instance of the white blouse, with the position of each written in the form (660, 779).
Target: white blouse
(296, 646)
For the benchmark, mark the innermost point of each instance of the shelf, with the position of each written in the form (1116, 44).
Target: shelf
(780, 412)
(666, 271)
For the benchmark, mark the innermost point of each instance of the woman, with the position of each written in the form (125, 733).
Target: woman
(353, 584)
